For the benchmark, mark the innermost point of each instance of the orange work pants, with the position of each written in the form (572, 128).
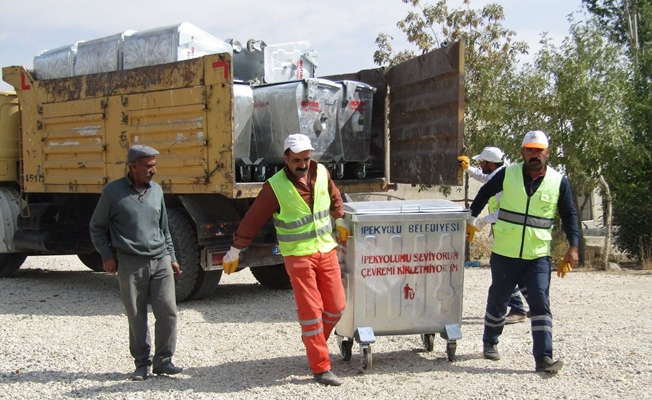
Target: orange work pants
(319, 294)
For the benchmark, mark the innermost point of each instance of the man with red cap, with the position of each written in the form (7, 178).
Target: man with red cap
(303, 200)
(533, 193)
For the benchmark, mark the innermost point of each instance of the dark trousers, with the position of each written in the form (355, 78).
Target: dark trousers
(515, 303)
(144, 280)
(535, 274)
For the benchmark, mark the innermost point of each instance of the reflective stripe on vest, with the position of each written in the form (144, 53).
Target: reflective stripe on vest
(299, 230)
(524, 226)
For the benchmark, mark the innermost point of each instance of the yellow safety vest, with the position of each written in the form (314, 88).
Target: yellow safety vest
(524, 226)
(300, 231)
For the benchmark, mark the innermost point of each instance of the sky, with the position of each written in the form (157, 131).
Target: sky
(342, 32)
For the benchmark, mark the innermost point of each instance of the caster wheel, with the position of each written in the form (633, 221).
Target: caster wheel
(428, 341)
(367, 358)
(361, 172)
(346, 345)
(450, 350)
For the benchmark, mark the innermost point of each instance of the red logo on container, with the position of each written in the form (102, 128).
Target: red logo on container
(300, 69)
(357, 105)
(408, 292)
(310, 106)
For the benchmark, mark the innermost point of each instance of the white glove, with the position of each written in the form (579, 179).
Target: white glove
(480, 223)
(231, 260)
(343, 227)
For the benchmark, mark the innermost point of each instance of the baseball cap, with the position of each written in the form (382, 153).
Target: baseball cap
(297, 143)
(536, 140)
(491, 154)
(138, 151)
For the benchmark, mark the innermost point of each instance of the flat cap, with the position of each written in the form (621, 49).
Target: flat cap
(138, 151)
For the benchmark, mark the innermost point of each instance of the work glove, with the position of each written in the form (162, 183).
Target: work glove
(231, 260)
(563, 268)
(471, 229)
(343, 227)
(464, 162)
(480, 223)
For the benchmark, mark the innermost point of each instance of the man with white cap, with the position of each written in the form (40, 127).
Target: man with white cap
(302, 199)
(533, 193)
(131, 220)
(492, 159)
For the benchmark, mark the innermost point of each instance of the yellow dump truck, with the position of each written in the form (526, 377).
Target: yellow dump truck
(62, 140)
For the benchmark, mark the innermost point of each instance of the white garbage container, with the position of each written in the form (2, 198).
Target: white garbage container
(403, 273)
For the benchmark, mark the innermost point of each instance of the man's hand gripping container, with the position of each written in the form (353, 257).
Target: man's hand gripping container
(403, 273)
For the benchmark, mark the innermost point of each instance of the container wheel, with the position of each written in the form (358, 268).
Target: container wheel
(367, 358)
(428, 341)
(346, 346)
(361, 172)
(10, 262)
(450, 350)
(246, 173)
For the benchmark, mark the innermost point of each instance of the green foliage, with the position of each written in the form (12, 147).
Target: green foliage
(630, 23)
(491, 58)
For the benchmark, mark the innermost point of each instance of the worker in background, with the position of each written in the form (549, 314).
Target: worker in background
(491, 160)
(131, 218)
(302, 199)
(533, 193)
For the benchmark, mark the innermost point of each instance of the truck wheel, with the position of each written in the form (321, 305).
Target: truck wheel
(10, 262)
(194, 283)
(272, 276)
(92, 261)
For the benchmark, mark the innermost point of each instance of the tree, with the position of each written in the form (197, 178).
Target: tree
(629, 22)
(582, 107)
(491, 58)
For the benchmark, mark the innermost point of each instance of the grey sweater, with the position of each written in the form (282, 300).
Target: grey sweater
(130, 222)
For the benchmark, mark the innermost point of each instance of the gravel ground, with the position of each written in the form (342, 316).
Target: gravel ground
(63, 334)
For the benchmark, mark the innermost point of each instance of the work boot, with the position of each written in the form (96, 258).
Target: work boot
(140, 374)
(547, 365)
(328, 378)
(514, 318)
(167, 368)
(490, 352)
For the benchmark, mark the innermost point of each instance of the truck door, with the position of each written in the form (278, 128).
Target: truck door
(426, 117)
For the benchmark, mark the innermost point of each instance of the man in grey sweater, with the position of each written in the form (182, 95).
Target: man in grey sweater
(131, 219)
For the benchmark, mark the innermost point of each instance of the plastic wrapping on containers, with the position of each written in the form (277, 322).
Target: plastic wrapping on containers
(354, 126)
(243, 107)
(170, 44)
(308, 106)
(289, 61)
(403, 272)
(56, 63)
(101, 55)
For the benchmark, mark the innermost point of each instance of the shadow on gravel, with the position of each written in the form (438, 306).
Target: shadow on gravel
(60, 293)
(252, 375)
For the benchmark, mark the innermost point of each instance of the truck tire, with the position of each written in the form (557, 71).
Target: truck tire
(272, 277)
(10, 262)
(194, 283)
(92, 261)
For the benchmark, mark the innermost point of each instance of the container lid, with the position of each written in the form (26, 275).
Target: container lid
(402, 207)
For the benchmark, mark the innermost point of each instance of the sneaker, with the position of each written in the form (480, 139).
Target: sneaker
(328, 378)
(168, 369)
(547, 365)
(490, 352)
(514, 318)
(140, 374)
